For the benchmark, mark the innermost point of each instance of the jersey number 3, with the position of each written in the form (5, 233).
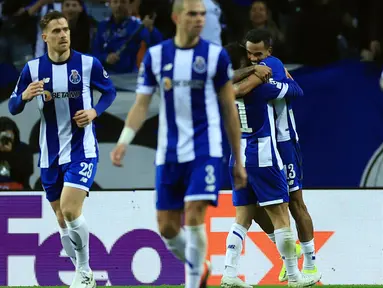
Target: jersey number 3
(210, 178)
(242, 116)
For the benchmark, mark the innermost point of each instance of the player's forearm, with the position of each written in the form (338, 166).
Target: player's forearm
(244, 86)
(242, 73)
(136, 116)
(16, 104)
(105, 101)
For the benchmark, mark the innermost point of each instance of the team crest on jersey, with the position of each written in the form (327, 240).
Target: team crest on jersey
(167, 83)
(74, 77)
(47, 96)
(199, 65)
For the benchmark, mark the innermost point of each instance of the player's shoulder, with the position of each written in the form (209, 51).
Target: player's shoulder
(271, 60)
(212, 46)
(166, 44)
(85, 58)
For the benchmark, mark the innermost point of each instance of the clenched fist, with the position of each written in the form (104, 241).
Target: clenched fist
(34, 89)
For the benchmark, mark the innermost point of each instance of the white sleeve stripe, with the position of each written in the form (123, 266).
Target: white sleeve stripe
(145, 90)
(283, 92)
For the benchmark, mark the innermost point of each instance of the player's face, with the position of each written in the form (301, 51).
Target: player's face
(192, 19)
(256, 52)
(120, 8)
(57, 35)
(71, 9)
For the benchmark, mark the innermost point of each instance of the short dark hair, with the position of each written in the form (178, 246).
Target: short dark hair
(53, 15)
(236, 53)
(258, 35)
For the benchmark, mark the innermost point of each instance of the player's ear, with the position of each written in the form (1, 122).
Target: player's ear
(44, 36)
(175, 17)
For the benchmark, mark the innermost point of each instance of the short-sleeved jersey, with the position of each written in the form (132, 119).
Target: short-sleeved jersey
(285, 121)
(189, 81)
(67, 89)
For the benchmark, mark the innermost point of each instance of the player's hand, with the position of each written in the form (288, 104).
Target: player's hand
(118, 154)
(263, 72)
(34, 89)
(288, 75)
(240, 176)
(112, 58)
(84, 117)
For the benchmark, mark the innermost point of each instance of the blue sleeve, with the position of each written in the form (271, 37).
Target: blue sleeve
(224, 70)
(16, 104)
(101, 81)
(146, 82)
(98, 50)
(278, 90)
(151, 38)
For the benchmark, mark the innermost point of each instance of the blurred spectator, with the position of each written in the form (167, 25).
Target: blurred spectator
(81, 25)
(319, 28)
(18, 32)
(163, 10)
(16, 158)
(372, 30)
(118, 39)
(212, 29)
(261, 17)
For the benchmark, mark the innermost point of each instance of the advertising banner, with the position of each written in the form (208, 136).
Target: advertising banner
(126, 248)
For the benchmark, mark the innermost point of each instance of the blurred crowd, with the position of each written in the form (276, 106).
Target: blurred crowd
(118, 32)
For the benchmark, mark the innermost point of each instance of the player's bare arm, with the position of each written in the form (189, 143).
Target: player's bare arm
(242, 73)
(134, 121)
(244, 86)
(263, 72)
(233, 130)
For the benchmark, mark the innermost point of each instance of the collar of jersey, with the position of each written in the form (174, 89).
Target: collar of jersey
(63, 62)
(186, 48)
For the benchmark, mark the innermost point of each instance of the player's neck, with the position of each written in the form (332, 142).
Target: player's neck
(183, 41)
(58, 57)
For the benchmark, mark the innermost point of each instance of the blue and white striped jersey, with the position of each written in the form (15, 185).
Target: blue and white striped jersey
(67, 89)
(285, 121)
(256, 112)
(189, 82)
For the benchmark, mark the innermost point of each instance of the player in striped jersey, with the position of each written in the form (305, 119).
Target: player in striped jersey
(62, 82)
(194, 77)
(288, 147)
(262, 38)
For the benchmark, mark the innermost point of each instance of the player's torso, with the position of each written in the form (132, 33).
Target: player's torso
(66, 91)
(190, 122)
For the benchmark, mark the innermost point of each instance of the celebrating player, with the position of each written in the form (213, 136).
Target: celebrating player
(194, 77)
(62, 82)
(267, 181)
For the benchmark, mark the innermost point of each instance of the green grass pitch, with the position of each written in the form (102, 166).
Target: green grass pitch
(168, 286)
